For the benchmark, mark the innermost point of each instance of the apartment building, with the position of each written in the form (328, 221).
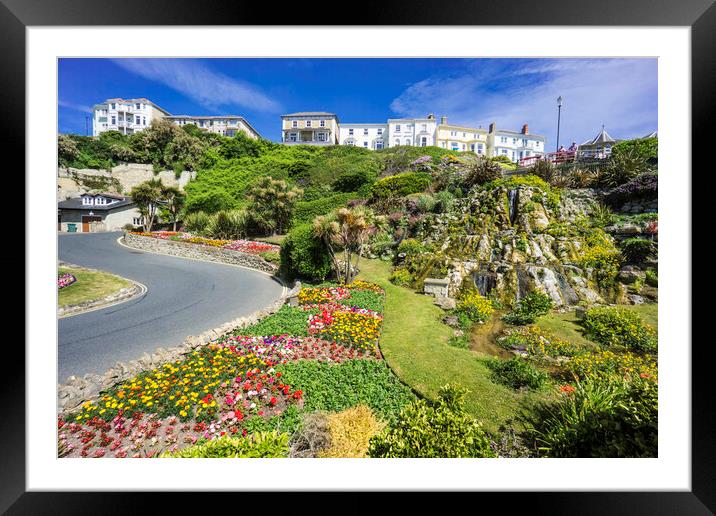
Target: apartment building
(461, 138)
(514, 145)
(310, 128)
(416, 132)
(368, 136)
(129, 116)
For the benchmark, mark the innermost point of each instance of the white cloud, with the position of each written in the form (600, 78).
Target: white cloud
(195, 80)
(76, 107)
(620, 93)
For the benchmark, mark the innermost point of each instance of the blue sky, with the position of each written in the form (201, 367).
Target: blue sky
(619, 93)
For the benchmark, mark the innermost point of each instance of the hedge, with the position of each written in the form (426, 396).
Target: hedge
(401, 184)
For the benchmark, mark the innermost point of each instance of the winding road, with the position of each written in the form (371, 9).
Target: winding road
(184, 297)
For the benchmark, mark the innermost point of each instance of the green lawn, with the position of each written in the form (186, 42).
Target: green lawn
(275, 239)
(89, 286)
(414, 343)
(567, 327)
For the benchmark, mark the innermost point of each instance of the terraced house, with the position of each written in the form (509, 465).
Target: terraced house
(129, 116)
(320, 128)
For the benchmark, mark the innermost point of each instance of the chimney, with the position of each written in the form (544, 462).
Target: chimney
(443, 120)
(492, 127)
(525, 129)
(431, 117)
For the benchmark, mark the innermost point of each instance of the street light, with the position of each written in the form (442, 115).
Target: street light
(559, 116)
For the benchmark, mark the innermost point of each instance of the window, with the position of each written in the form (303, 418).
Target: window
(397, 128)
(454, 146)
(114, 120)
(292, 137)
(380, 131)
(453, 133)
(138, 106)
(323, 123)
(350, 132)
(113, 105)
(503, 139)
(137, 221)
(514, 141)
(442, 144)
(472, 147)
(365, 144)
(379, 144)
(464, 135)
(504, 152)
(87, 200)
(424, 141)
(365, 132)
(137, 119)
(321, 137)
(144, 120)
(308, 123)
(480, 149)
(294, 123)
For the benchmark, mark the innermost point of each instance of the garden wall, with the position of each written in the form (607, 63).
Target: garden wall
(199, 252)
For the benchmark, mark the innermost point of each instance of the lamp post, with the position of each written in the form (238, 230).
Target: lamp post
(559, 116)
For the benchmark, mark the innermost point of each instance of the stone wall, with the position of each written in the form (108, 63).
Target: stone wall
(121, 179)
(199, 252)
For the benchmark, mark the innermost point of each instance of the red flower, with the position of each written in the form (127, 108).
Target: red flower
(567, 389)
(238, 415)
(272, 401)
(297, 395)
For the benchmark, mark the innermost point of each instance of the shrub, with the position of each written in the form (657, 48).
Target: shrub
(352, 181)
(602, 215)
(306, 211)
(644, 186)
(209, 202)
(637, 250)
(196, 222)
(609, 364)
(622, 167)
(350, 431)
(401, 277)
(612, 326)
(444, 200)
(533, 305)
(336, 387)
(441, 429)
(537, 343)
(304, 255)
(647, 148)
(482, 171)
(401, 185)
(288, 320)
(475, 307)
(516, 373)
(599, 418)
(227, 225)
(605, 261)
(459, 341)
(411, 247)
(545, 170)
(259, 445)
(652, 277)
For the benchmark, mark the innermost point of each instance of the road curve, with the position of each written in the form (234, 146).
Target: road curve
(184, 297)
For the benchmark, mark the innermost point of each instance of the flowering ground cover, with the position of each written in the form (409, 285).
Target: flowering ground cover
(244, 246)
(237, 385)
(65, 280)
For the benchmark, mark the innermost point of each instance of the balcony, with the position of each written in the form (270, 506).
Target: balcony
(308, 136)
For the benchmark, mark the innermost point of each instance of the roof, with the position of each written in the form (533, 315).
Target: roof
(141, 99)
(528, 136)
(601, 137)
(310, 113)
(76, 204)
(369, 124)
(652, 134)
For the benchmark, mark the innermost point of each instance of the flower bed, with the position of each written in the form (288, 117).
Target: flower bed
(65, 280)
(229, 388)
(244, 246)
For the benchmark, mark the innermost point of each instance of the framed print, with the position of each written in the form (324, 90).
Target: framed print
(419, 254)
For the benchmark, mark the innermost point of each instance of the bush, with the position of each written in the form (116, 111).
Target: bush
(614, 327)
(209, 202)
(652, 277)
(350, 431)
(538, 343)
(604, 260)
(352, 181)
(637, 250)
(516, 373)
(599, 418)
(482, 171)
(227, 225)
(401, 277)
(476, 308)
(609, 364)
(647, 148)
(444, 200)
(260, 445)
(602, 215)
(196, 222)
(401, 185)
(304, 255)
(545, 170)
(306, 211)
(623, 167)
(644, 186)
(338, 386)
(441, 429)
(535, 304)
(411, 247)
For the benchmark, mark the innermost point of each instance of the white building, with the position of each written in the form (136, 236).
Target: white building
(129, 116)
(309, 128)
(461, 138)
(368, 136)
(416, 132)
(514, 145)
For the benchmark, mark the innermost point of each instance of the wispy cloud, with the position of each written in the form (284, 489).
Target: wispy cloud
(620, 93)
(72, 105)
(211, 89)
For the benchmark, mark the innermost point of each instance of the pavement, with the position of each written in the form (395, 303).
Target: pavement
(184, 297)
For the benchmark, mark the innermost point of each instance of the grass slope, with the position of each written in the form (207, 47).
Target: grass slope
(414, 343)
(89, 286)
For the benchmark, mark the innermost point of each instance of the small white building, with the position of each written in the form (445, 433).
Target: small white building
(416, 132)
(91, 213)
(368, 136)
(514, 145)
(129, 116)
(599, 147)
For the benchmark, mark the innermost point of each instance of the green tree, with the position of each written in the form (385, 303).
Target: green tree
(347, 230)
(173, 201)
(147, 196)
(67, 150)
(272, 202)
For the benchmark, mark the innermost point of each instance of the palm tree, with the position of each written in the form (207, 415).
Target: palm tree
(147, 197)
(173, 202)
(272, 200)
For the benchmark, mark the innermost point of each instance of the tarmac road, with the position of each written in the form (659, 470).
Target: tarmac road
(184, 297)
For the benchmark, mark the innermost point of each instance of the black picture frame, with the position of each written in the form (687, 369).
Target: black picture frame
(700, 15)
